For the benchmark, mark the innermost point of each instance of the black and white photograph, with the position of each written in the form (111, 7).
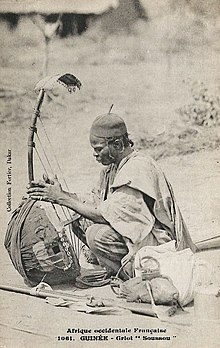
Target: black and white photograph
(110, 173)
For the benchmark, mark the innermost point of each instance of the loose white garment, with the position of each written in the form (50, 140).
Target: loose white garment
(128, 214)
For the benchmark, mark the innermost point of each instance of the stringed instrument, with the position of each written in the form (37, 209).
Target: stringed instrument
(36, 237)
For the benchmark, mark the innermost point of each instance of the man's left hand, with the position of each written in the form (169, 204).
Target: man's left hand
(127, 263)
(127, 258)
(43, 191)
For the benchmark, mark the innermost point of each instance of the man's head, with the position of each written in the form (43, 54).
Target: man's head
(109, 139)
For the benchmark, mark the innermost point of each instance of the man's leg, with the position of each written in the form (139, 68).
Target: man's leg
(107, 245)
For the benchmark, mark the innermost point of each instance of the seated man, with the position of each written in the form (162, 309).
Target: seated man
(135, 205)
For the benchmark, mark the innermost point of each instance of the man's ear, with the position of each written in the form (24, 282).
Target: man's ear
(118, 145)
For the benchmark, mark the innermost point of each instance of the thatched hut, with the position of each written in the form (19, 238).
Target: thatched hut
(70, 17)
(74, 15)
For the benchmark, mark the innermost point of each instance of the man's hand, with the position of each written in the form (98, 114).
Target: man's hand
(127, 263)
(47, 190)
(127, 258)
(51, 191)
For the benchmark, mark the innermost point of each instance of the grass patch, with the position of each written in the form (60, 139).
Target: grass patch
(182, 141)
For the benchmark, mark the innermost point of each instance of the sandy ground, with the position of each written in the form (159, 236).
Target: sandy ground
(147, 93)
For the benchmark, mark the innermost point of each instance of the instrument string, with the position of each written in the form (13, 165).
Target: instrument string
(41, 161)
(73, 241)
(72, 235)
(46, 172)
(45, 154)
(54, 153)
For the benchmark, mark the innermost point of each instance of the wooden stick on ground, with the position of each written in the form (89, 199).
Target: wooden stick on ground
(138, 308)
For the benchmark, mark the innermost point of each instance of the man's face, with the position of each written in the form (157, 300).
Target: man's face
(101, 151)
